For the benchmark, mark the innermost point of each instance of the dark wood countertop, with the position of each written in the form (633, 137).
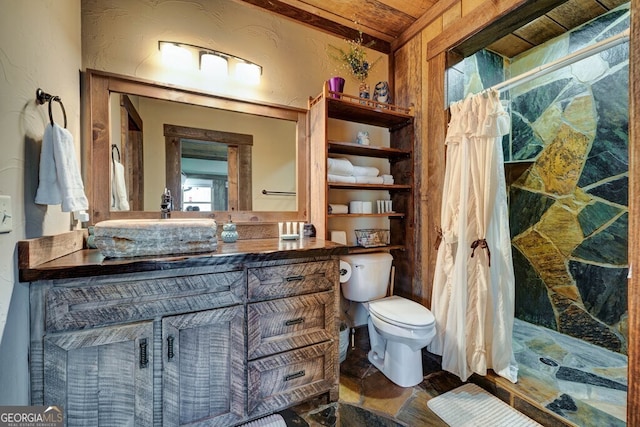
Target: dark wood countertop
(90, 262)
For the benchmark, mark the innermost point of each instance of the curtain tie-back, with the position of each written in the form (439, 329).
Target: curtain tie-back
(436, 245)
(482, 244)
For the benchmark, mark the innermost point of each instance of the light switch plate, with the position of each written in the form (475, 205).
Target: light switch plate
(6, 214)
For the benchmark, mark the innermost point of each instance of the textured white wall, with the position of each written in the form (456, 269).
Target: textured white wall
(122, 36)
(39, 47)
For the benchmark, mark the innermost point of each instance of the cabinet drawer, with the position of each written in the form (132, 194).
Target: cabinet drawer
(92, 305)
(284, 324)
(276, 382)
(292, 279)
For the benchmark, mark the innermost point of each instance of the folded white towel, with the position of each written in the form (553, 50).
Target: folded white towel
(339, 167)
(365, 171)
(338, 208)
(341, 178)
(119, 196)
(369, 180)
(387, 179)
(60, 181)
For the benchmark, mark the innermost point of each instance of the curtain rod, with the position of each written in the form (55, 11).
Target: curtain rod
(564, 61)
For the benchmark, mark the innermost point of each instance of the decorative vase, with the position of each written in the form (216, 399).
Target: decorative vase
(229, 233)
(336, 84)
(363, 91)
(381, 93)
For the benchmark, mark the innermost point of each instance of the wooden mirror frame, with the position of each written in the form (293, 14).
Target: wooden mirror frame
(97, 85)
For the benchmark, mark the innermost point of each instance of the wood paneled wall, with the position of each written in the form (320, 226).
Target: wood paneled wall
(633, 396)
(419, 69)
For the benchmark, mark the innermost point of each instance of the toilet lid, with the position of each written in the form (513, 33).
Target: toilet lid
(401, 311)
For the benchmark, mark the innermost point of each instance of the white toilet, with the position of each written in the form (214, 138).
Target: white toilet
(398, 328)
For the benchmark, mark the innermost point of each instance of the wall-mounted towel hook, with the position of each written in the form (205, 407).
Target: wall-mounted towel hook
(42, 97)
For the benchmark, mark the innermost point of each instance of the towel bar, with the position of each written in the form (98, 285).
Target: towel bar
(281, 193)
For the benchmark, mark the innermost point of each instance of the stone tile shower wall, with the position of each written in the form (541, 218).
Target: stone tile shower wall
(569, 209)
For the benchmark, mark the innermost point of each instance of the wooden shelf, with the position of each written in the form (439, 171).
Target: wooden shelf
(339, 147)
(387, 187)
(378, 215)
(343, 106)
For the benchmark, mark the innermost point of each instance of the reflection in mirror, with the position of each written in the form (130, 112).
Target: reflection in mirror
(204, 176)
(160, 131)
(275, 144)
(220, 161)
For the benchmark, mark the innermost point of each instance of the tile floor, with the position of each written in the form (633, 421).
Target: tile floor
(562, 382)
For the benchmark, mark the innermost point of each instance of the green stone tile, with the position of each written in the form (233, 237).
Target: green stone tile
(595, 215)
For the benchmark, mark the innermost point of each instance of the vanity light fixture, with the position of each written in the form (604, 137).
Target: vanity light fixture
(176, 55)
(211, 62)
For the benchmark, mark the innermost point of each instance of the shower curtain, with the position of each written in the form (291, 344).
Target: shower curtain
(473, 287)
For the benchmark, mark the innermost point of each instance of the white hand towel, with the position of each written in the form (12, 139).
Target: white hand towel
(388, 179)
(365, 171)
(339, 167)
(341, 178)
(119, 201)
(60, 180)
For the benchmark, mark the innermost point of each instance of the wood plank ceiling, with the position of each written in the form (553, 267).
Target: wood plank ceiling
(387, 21)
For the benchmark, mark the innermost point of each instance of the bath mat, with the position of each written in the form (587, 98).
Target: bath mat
(471, 406)
(274, 420)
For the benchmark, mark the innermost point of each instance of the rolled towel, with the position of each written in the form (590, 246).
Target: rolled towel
(365, 171)
(338, 208)
(369, 180)
(341, 178)
(339, 167)
(387, 179)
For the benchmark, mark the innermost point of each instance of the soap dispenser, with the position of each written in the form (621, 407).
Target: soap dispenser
(229, 233)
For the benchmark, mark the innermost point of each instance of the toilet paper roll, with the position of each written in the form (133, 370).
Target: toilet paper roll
(355, 207)
(367, 207)
(345, 271)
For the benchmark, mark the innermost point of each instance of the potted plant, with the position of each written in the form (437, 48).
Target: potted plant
(354, 61)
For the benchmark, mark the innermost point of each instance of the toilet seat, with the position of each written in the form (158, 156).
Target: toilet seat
(402, 312)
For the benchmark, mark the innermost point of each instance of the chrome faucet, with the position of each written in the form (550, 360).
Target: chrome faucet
(165, 204)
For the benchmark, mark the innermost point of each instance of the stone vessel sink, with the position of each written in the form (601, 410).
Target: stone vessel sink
(146, 237)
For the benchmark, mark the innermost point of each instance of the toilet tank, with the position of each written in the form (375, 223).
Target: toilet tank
(369, 276)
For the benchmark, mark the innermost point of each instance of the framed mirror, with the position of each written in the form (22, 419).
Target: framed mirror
(219, 157)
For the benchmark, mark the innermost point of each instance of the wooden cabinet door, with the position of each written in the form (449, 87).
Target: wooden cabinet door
(102, 376)
(203, 368)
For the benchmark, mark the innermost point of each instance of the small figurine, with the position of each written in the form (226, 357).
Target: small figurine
(363, 138)
(381, 93)
(229, 233)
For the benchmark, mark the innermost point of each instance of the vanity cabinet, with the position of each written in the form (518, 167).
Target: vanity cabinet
(101, 374)
(214, 341)
(398, 121)
(291, 331)
(116, 351)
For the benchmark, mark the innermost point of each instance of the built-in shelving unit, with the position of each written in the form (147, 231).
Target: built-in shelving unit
(399, 122)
